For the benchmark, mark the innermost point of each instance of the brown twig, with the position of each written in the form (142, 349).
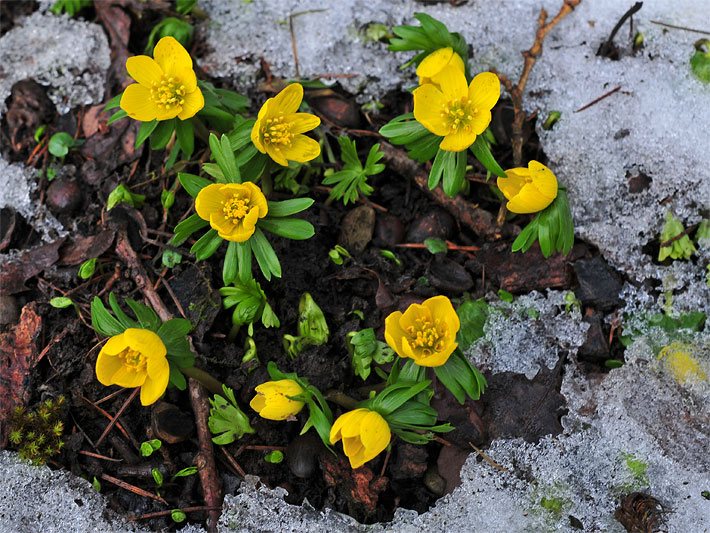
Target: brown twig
(110, 418)
(159, 514)
(294, 47)
(685, 28)
(517, 91)
(132, 488)
(114, 420)
(211, 485)
(233, 463)
(478, 220)
(599, 99)
(99, 456)
(487, 458)
(449, 245)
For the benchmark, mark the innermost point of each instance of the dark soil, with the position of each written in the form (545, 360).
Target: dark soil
(412, 477)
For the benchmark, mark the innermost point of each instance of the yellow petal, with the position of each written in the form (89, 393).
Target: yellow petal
(220, 223)
(167, 114)
(543, 179)
(438, 358)
(276, 154)
(514, 181)
(125, 377)
(115, 345)
(412, 314)
(408, 350)
(137, 103)
(172, 56)
(302, 149)
(145, 342)
(194, 102)
(209, 200)
(302, 122)
(452, 82)
(255, 135)
(335, 430)
(458, 63)
(394, 332)
(441, 308)
(484, 91)
(351, 424)
(288, 100)
(457, 141)
(480, 121)
(158, 367)
(249, 221)
(237, 233)
(279, 407)
(154, 387)
(144, 70)
(374, 432)
(355, 451)
(434, 62)
(528, 200)
(258, 402)
(428, 105)
(106, 367)
(257, 198)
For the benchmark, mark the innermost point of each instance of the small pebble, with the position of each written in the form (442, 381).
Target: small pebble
(449, 276)
(356, 229)
(64, 196)
(437, 224)
(389, 231)
(302, 454)
(170, 424)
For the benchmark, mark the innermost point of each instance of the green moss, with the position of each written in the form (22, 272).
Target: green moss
(553, 505)
(37, 434)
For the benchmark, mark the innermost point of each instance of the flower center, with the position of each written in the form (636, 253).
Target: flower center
(133, 360)
(277, 131)
(428, 335)
(236, 208)
(168, 93)
(459, 114)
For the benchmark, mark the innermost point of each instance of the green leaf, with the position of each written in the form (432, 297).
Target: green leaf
(61, 302)
(114, 102)
(244, 255)
(472, 317)
(162, 133)
(177, 378)
(289, 207)
(436, 246)
(144, 131)
(482, 152)
(123, 318)
(118, 115)
(87, 268)
(174, 329)
(192, 184)
(229, 270)
(206, 245)
(454, 174)
(145, 315)
(60, 143)
(224, 156)
(461, 378)
(227, 421)
(700, 65)
(102, 321)
(185, 136)
(265, 255)
(290, 228)
(186, 228)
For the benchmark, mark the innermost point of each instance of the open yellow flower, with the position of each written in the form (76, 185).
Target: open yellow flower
(364, 433)
(166, 86)
(278, 130)
(425, 332)
(435, 62)
(232, 209)
(273, 399)
(528, 190)
(458, 112)
(135, 358)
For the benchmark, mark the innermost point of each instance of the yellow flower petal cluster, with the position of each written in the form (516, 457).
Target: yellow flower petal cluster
(455, 110)
(435, 62)
(364, 433)
(232, 209)
(278, 130)
(682, 365)
(166, 86)
(135, 358)
(273, 399)
(528, 190)
(425, 332)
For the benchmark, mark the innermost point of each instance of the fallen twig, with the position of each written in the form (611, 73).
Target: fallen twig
(598, 99)
(487, 458)
(114, 419)
(204, 460)
(233, 463)
(132, 488)
(478, 220)
(685, 28)
(159, 514)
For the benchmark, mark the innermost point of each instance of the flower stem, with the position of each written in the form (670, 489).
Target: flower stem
(341, 399)
(209, 382)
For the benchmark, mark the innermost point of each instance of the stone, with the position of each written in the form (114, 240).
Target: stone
(356, 229)
(599, 285)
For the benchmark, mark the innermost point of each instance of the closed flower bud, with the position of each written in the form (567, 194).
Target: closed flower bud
(364, 433)
(273, 399)
(528, 190)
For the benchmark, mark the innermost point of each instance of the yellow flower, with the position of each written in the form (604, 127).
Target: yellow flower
(167, 85)
(273, 399)
(365, 434)
(425, 332)
(436, 62)
(682, 365)
(135, 358)
(279, 127)
(232, 209)
(528, 190)
(451, 109)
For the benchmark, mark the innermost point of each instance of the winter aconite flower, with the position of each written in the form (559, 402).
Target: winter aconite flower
(135, 358)
(364, 433)
(528, 190)
(436, 62)
(232, 209)
(273, 399)
(166, 86)
(425, 332)
(458, 112)
(278, 130)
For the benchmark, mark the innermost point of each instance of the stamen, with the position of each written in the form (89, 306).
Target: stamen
(277, 131)
(168, 93)
(236, 208)
(133, 360)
